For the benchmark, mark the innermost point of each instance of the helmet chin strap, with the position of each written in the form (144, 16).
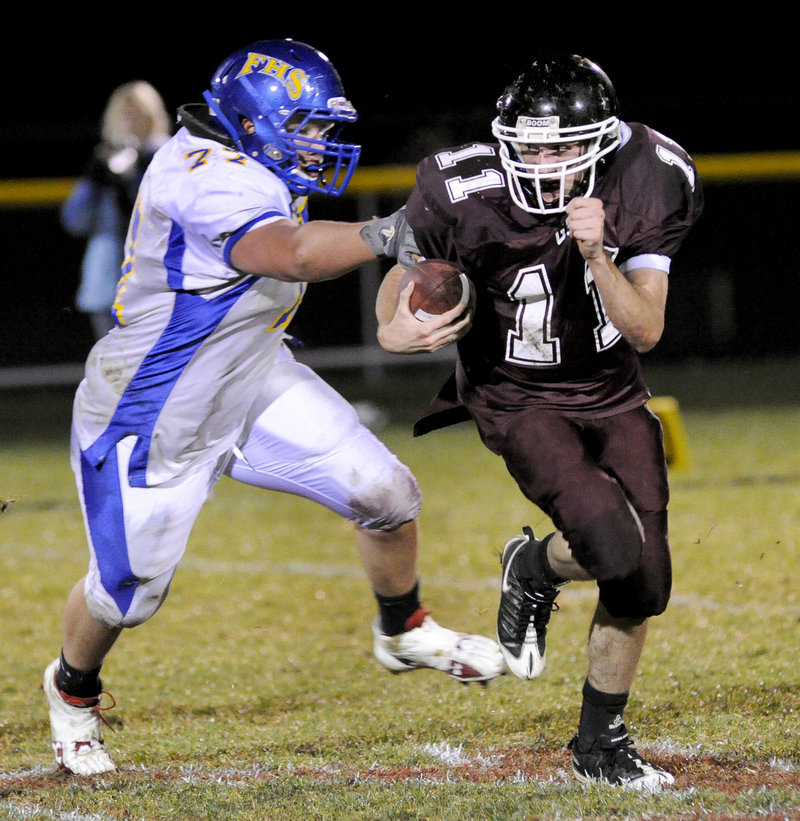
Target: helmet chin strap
(300, 178)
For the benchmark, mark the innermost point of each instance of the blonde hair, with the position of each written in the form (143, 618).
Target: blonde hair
(135, 115)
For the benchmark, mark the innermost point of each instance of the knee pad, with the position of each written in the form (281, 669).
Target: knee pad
(609, 547)
(637, 597)
(389, 501)
(646, 592)
(130, 604)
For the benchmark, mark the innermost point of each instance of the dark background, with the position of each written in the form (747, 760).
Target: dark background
(709, 92)
(420, 86)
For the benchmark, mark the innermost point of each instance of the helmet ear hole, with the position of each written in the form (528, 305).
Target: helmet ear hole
(246, 124)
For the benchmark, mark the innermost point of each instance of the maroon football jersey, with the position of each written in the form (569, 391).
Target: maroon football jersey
(540, 333)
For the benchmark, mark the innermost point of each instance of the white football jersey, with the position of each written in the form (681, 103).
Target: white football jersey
(195, 338)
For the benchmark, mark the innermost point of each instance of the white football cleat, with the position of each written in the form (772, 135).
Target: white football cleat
(76, 729)
(464, 657)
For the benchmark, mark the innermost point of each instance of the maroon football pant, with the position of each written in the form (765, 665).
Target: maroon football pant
(603, 482)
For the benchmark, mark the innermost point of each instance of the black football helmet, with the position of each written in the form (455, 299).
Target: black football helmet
(559, 100)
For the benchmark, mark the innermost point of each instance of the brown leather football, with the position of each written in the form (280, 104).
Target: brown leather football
(438, 286)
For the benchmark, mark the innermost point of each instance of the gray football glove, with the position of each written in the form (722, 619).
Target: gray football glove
(392, 237)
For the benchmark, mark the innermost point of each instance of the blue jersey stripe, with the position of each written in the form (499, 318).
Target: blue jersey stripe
(101, 493)
(193, 320)
(237, 235)
(176, 248)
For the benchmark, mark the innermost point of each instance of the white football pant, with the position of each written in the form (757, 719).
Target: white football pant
(302, 438)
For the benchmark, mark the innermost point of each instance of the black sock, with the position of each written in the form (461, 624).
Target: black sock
(601, 713)
(534, 562)
(394, 611)
(74, 682)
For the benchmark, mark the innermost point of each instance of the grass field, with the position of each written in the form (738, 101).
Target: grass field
(253, 693)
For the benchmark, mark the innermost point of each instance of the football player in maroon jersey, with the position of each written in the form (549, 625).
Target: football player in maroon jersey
(567, 225)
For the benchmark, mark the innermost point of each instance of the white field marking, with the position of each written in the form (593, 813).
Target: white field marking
(783, 765)
(29, 772)
(16, 813)
(448, 754)
(668, 746)
(454, 756)
(576, 591)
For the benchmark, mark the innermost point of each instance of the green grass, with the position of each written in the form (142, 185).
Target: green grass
(253, 693)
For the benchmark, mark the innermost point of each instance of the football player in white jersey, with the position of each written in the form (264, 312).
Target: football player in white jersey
(195, 381)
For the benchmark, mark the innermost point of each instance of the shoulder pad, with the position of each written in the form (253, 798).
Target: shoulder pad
(197, 120)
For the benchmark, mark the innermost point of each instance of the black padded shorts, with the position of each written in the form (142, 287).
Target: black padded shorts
(603, 482)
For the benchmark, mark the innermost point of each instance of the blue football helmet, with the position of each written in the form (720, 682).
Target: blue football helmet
(286, 88)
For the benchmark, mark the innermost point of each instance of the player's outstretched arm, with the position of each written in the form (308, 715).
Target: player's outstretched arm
(317, 250)
(310, 252)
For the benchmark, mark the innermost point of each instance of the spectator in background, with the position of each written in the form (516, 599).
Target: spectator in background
(134, 124)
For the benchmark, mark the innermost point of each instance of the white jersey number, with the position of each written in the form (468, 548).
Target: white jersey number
(531, 342)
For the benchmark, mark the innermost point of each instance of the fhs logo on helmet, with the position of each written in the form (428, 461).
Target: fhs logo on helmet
(292, 78)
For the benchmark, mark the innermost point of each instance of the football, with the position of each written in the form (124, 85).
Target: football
(438, 286)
